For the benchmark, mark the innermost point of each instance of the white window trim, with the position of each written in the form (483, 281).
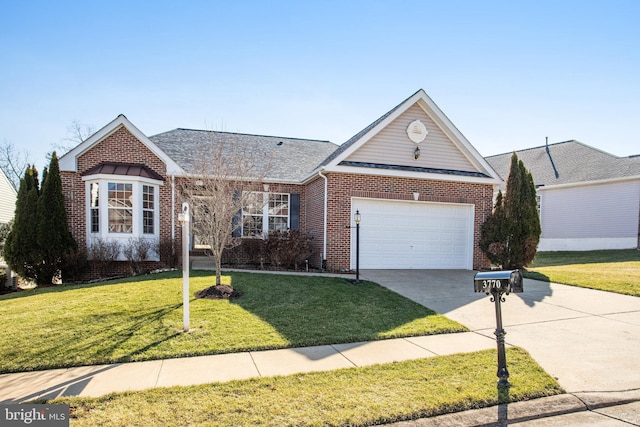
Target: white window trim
(138, 222)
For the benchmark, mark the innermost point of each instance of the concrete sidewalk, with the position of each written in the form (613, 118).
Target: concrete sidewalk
(587, 339)
(100, 380)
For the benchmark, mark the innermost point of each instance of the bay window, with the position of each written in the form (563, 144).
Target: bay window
(122, 208)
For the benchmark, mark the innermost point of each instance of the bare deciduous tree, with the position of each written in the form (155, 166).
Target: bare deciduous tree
(13, 162)
(77, 133)
(221, 184)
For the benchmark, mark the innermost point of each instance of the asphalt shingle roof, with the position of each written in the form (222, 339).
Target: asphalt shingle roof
(288, 159)
(568, 162)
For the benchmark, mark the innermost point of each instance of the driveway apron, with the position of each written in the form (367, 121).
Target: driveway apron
(588, 339)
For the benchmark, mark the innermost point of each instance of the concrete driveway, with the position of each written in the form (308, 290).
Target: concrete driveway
(589, 340)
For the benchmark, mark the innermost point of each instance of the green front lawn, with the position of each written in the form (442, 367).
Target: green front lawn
(354, 397)
(140, 318)
(615, 271)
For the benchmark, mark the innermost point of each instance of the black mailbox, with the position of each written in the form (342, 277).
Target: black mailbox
(498, 281)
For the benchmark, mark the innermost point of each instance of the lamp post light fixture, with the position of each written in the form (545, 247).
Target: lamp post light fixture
(357, 218)
(183, 217)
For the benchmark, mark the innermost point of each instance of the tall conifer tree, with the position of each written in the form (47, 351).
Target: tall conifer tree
(510, 236)
(20, 246)
(54, 239)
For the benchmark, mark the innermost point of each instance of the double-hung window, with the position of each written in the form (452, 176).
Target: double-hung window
(264, 213)
(120, 199)
(278, 213)
(94, 207)
(148, 209)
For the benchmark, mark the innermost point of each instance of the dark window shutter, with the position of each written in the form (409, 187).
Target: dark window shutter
(236, 228)
(294, 212)
(236, 222)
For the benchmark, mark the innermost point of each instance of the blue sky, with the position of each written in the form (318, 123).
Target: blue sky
(508, 74)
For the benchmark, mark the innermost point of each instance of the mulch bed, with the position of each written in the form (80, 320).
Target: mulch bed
(218, 292)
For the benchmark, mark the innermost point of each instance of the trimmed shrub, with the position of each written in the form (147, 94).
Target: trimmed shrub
(137, 251)
(105, 253)
(288, 249)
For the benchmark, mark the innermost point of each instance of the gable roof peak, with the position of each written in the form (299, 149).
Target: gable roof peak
(434, 112)
(68, 162)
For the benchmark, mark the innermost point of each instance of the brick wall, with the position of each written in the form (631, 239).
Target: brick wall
(119, 146)
(122, 146)
(314, 215)
(342, 187)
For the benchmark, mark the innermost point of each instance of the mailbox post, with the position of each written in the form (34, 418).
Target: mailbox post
(498, 284)
(183, 217)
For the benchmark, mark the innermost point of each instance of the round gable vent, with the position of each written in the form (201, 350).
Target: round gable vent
(417, 131)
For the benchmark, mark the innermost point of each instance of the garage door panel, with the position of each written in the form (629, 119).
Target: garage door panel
(403, 235)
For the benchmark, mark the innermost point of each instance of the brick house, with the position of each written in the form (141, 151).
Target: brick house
(421, 188)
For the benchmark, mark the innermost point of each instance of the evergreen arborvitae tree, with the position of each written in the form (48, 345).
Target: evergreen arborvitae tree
(510, 236)
(494, 234)
(54, 240)
(20, 249)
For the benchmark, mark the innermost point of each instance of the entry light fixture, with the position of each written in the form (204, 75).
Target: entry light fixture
(416, 153)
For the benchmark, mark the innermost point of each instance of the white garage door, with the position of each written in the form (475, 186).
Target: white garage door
(413, 235)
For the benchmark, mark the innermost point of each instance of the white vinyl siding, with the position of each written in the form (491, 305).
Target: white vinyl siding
(7, 199)
(591, 211)
(601, 216)
(392, 146)
(413, 235)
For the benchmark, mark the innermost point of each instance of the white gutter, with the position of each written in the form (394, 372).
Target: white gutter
(586, 183)
(324, 228)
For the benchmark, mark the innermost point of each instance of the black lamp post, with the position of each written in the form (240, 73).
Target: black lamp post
(357, 218)
(499, 283)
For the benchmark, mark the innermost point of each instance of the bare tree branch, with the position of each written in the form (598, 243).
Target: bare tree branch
(223, 182)
(13, 162)
(77, 133)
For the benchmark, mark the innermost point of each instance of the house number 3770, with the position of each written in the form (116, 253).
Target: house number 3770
(491, 284)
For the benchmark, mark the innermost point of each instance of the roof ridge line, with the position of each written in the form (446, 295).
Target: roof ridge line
(246, 134)
(536, 148)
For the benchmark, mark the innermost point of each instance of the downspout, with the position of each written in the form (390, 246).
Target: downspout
(173, 219)
(324, 227)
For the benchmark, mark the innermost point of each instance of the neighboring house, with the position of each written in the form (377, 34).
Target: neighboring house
(588, 199)
(8, 196)
(422, 189)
